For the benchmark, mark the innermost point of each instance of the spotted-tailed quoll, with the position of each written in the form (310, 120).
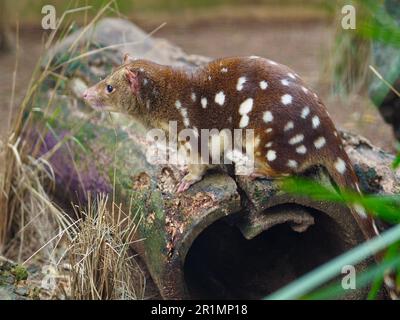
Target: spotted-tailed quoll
(292, 128)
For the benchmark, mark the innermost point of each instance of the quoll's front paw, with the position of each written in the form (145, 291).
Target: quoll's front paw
(187, 181)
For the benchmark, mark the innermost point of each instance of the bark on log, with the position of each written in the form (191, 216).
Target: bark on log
(212, 241)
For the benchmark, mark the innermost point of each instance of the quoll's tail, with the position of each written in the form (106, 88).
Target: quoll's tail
(342, 172)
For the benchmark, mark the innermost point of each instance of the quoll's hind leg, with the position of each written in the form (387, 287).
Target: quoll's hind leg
(195, 174)
(263, 171)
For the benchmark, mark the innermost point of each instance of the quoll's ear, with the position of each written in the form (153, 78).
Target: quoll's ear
(133, 80)
(128, 58)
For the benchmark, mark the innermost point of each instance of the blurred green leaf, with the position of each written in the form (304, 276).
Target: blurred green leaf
(384, 207)
(377, 24)
(396, 162)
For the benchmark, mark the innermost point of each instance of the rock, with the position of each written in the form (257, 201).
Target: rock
(21, 291)
(11, 276)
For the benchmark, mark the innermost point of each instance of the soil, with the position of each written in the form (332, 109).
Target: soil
(302, 45)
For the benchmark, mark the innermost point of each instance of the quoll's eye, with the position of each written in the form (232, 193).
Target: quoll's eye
(110, 88)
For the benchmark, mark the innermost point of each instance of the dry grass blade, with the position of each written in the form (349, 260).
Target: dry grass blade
(31, 213)
(14, 80)
(380, 77)
(102, 265)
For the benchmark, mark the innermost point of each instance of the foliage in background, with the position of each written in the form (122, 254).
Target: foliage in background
(29, 8)
(351, 52)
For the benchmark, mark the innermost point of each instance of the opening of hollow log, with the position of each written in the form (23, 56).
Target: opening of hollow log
(222, 264)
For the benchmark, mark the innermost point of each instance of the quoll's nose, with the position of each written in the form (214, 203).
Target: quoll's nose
(85, 94)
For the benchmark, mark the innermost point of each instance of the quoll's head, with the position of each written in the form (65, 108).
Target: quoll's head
(119, 92)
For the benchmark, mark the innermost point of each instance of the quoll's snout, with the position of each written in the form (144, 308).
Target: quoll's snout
(85, 94)
(89, 95)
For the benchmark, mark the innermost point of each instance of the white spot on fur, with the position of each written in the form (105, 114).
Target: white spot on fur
(244, 121)
(196, 132)
(230, 119)
(145, 81)
(224, 70)
(301, 150)
(289, 126)
(178, 104)
(291, 75)
(268, 130)
(193, 96)
(220, 98)
(240, 83)
(263, 85)
(204, 102)
(388, 279)
(305, 112)
(286, 99)
(246, 106)
(296, 139)
(186, 121)
(320, 142)
(254, 57)
(235, 155)
(272, 62)
(271, 155)
(292, 164)
(360, 210)
(285, 82)
(340, 165)
(185, 117)
(269, 144)
(209, 78)
(305, 90)
(315, 122)
(268, 117)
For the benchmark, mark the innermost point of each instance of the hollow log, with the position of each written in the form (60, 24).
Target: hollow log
(227, 236)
